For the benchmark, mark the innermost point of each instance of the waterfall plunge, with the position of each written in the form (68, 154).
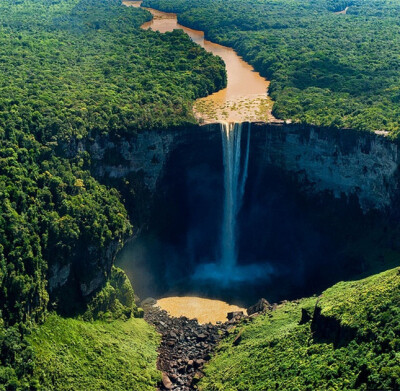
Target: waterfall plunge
(234, 184)
(226, 269)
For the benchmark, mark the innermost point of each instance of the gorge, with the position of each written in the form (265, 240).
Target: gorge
(149, 198)
(303, 183)
(244, 99)
(302, 180)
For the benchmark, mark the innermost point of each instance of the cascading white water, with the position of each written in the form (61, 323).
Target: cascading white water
(234, 184)
(226, 270)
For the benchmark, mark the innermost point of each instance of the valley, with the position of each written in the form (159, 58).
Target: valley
(199, 196)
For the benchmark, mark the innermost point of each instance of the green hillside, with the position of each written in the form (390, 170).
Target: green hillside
(71, 354)
(352, 342)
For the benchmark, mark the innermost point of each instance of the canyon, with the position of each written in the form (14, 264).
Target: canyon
(179, 192)
(300, 178)
(161, 229)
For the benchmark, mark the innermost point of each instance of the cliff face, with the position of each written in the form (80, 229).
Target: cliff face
(133, 165)
(145, 152)
(74, 280)
(343, 162)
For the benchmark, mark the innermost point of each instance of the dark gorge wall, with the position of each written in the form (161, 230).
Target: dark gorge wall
(313, 198)
(132, 164)
(345, 162)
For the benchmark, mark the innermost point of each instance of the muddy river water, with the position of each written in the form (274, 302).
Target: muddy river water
(244, 99)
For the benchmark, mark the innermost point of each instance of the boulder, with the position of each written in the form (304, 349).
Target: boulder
(305, 316)
(238, 338)
(199, 363)
(167, 383)
(234, 314)
(201, 337)
(262, 305)
(149, 302)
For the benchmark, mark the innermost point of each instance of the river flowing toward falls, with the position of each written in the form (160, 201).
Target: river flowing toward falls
(244, 99)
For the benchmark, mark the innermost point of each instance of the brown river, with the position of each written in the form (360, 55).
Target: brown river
(244, 99)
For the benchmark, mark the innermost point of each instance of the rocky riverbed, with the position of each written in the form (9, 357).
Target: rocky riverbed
(187, 345)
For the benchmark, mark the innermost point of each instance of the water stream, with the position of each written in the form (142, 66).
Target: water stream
(234, 184)
(244, 100)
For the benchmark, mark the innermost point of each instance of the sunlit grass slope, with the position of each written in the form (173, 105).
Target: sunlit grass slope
(353, 342)
(76, 355)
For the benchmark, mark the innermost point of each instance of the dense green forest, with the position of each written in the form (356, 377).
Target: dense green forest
(71, 70)
(84, 67)
(351, 342)
(330, 69)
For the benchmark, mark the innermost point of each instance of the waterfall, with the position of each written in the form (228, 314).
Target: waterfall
(234, 185)
(226, 270)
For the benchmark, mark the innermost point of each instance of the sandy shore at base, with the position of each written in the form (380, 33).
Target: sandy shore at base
(204, 310)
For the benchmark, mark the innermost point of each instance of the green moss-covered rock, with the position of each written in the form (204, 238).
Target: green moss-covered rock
(115, 301)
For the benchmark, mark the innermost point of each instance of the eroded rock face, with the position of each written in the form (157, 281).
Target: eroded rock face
(114, 159)
(146, 152)
(58, 275)
(345, 162)
(85, 273)
(330, 330)
(97, 265)
(262, 305)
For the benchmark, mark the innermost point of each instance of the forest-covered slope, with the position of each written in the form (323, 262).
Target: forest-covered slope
(325, 68)
(105, 347)
(72, 70)
(69, 70)
(349, 340)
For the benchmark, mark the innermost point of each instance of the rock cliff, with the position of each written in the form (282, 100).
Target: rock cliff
(344, 162)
